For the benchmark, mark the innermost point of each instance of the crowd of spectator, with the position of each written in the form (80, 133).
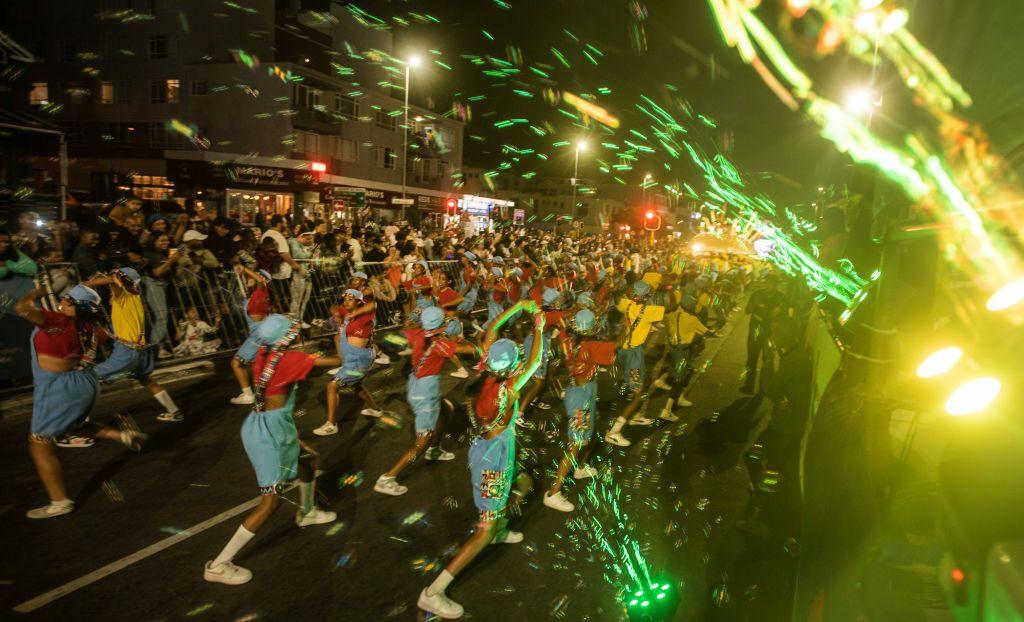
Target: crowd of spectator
(186, 258)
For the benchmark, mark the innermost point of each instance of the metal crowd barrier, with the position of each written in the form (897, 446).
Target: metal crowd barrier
(219, 297)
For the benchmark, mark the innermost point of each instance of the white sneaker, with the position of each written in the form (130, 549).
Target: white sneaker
(227, 573)
(75, 441)
(382, 359)
(510, 537)
(439, 604)
(641, 420)
(370, 412)
(558, 502)
(133, 440)
(305, 325)
(459, 373)
(542, 405)
(668, 415)
(52, 509)
(332, 372)
(316, 516)
(661, 384)
(327, 429)
(438, 454)
(171, 417)
(404, 352)
(584, 472)
(616, 438)
(243, 398)
(684, 403)
(389, 486)
(164, 354)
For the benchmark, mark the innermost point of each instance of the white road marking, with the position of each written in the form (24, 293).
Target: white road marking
(94, 576)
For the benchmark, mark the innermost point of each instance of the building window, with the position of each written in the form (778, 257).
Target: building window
(164, 91)
(77, 134)
(346, 107)
(106, 92)
(158, 46)
(162, 138)
(307, 144)
(385, 120)
(117, 134)
(384, 157)
(199, 88)
(122, 91)
(39, 95)
(347, 150)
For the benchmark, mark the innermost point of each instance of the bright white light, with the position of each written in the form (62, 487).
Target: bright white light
(697, 248)
(582, 145)
(414, 61)
(939, 362)
(1008, 296)
(973, 396)
(895, 20)
(860, 101)
(866, 23)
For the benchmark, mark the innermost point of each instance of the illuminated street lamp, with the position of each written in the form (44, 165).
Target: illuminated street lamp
(580, 146)
(414, 61)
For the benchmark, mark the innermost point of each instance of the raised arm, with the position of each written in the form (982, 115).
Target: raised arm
(26, 306)
(492, 331)
(536, 355)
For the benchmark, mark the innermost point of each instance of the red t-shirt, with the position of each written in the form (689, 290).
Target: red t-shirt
(58, 336)
(486, 409)
(420, 283)
(553, 319)
(515, 290)
(447, 296)
(527, 274)
(293, 367)
(468, 274)
(360, 326)
(259, 302)
(436, 353)
(499, 293)
(590, 355)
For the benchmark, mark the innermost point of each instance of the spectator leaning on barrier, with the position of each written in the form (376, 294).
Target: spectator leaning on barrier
(85, 255)
(13, 262)
(300, 248)
(283, 271)
(222, 242)
(159, 267)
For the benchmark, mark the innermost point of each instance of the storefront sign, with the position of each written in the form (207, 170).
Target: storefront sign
(221, 175)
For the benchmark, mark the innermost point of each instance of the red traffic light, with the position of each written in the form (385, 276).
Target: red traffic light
(318, 167)
(649, 214)
(452, 204)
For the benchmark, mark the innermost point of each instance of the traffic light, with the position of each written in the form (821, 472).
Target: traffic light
(652, 221)
(452, 207)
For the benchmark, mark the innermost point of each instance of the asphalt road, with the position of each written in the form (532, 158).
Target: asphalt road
(146, 523)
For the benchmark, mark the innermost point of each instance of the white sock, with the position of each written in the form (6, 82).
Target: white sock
(234, 545)
(668, 405)
(307, 490)
(617, 427)
(165, 400)
(246, 391)
(440, 584)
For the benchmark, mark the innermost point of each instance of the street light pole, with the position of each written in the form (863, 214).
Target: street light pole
(575, 175)
(405, 129)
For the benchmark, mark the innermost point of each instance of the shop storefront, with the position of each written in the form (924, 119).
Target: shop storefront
(250, 194)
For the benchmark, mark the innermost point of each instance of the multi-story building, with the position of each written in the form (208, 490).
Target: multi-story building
(255, 106)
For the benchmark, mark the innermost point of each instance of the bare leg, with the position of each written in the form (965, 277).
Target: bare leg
(568, 462)
(423, 441)
(241, 375)
(481, 537)
(332, 401)
(260, 514)
(367, 398)
(48, 468)
(154, 387)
